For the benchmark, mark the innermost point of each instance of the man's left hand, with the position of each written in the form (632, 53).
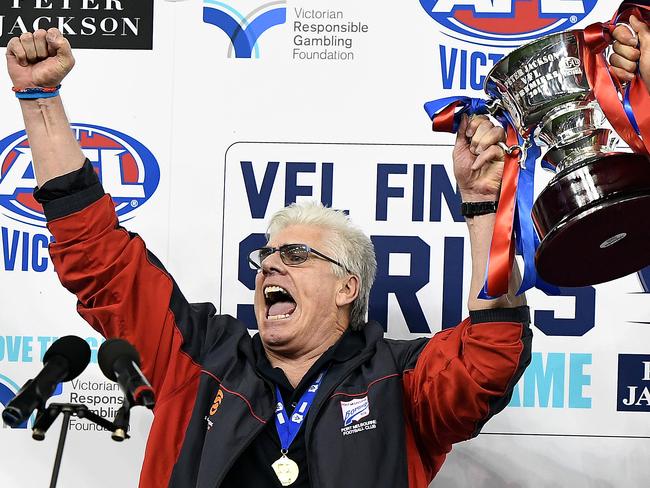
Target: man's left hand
(478, 159)
(631, 49)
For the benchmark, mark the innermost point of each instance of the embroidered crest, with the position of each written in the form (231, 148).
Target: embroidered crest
(355, 410)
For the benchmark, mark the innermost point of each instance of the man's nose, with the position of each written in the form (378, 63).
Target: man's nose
(273, 264)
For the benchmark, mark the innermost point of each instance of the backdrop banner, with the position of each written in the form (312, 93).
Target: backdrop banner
(205, 117)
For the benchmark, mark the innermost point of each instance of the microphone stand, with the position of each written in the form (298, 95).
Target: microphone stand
(121, 421)
(47, 416)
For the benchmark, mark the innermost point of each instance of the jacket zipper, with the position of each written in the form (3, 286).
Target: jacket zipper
(236, 455)
(311, 419)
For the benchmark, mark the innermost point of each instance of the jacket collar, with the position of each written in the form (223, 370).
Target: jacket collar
(352, 343)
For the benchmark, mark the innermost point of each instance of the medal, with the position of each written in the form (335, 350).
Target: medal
(285, 469)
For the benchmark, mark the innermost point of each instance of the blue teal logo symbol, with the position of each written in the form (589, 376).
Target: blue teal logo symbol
(244, 30)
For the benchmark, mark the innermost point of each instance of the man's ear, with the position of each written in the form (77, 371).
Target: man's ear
(348, 291)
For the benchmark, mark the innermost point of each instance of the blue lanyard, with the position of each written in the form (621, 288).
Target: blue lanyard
(288, 427)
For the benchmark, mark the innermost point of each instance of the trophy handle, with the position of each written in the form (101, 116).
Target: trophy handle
(494, 105)
(517, 148)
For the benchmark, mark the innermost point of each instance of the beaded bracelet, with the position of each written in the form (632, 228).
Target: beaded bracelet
(36, 92)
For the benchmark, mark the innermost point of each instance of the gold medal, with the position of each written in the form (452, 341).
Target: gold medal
(285, 469)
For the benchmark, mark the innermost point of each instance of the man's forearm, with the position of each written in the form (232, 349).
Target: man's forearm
(55, 150)
(480, 236)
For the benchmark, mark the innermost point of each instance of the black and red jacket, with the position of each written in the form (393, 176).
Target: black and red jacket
(423, 395)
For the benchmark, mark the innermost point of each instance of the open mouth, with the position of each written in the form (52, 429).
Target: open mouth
(279, 303)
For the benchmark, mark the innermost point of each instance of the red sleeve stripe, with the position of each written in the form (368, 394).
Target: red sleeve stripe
(367, 389)
(250, 407)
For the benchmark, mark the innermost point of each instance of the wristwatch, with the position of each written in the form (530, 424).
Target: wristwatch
(472, 209)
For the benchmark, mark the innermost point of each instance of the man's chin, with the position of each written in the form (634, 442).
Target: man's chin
(277, 333)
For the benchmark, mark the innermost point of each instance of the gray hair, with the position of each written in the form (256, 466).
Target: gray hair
(346, 243)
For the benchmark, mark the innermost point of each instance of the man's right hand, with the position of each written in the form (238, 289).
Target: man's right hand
(43, 59)
(39, 59)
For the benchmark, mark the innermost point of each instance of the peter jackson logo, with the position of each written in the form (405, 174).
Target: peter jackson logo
(94, 24)
(633, 383)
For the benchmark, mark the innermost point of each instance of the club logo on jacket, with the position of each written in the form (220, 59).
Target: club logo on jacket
(353, 411)
(126, 168)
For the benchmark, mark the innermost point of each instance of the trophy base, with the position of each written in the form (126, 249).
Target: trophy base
(592, 221)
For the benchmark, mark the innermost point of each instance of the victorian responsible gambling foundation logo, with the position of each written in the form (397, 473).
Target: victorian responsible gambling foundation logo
(127, 169)
(244, 29)
(506, 23)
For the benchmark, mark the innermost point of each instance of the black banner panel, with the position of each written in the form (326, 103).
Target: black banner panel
(88, 24)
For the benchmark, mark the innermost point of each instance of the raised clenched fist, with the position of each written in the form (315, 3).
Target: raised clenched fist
(39, 59)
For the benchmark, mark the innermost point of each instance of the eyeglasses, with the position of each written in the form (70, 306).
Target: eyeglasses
(291, 255)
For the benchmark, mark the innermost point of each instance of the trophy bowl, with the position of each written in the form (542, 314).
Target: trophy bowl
(590, 218)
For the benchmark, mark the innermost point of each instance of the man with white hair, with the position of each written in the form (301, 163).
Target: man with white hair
(319, 397)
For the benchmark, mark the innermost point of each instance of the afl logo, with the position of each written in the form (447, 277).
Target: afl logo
(570, 66)
(126, 168)
(506, 23)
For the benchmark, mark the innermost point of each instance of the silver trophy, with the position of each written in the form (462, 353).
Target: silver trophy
(592, 216)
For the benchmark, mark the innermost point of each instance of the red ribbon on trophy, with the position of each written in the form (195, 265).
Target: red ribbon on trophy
(502, 248)
(508, 230)
(632, 123)
(445, 115)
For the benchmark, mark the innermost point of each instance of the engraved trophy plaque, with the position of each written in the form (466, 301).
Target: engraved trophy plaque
(592, 218)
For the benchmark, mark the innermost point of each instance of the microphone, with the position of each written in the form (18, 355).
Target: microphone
(121, 422)
(119, 361)
(66, 358)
